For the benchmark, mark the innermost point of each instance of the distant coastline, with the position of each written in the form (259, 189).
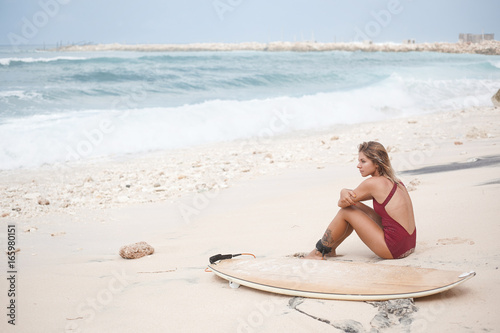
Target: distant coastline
(485, 47)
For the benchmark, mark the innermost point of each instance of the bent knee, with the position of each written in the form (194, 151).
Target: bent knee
(348, 210)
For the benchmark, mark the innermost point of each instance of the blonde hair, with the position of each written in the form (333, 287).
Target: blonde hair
(376, 152)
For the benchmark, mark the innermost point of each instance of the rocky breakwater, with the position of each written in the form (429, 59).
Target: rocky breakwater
(486, 47)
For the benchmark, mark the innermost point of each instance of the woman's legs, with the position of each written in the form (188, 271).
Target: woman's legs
(327, 239)
(367, 225)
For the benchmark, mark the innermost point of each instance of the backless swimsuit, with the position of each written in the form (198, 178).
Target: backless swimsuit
(398, 240)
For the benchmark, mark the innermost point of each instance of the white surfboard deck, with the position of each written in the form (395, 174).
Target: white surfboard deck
(340, 280)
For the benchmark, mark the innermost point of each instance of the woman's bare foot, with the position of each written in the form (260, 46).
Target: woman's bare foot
(315, 254)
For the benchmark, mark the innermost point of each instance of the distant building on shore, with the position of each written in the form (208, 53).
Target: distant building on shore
(475, 38)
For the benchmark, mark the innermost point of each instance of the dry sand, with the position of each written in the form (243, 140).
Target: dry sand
(272, 197)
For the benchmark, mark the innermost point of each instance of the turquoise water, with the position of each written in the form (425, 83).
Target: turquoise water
(56, 107)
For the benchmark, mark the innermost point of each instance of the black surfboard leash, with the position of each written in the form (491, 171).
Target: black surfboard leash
(219, 257)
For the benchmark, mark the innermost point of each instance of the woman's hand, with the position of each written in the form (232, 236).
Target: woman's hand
(346, 198)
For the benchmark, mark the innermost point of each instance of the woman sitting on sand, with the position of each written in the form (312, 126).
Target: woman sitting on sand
(389, 228)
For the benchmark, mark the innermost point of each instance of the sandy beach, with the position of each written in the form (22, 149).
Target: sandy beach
(272, 196)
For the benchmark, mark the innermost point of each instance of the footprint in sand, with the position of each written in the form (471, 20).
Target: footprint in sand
(298, 255)
(412, 186)
(454, 240)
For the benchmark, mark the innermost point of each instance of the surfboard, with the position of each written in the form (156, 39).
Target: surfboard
(339, 280)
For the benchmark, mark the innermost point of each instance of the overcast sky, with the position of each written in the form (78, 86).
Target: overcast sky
(189, 21)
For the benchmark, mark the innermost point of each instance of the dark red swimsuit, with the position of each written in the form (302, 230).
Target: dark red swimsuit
(398, 240)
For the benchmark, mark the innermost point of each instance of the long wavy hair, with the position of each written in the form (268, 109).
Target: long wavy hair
(376, 152)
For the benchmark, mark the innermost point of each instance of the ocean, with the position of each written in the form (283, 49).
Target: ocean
(65, 106)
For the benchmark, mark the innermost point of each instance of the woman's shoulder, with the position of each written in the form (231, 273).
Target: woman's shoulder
(378, 182)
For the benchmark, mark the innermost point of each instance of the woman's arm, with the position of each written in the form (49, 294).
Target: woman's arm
(361, 193)
(347, 197)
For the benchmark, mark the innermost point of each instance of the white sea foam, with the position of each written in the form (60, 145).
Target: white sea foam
(20, 94)
(495, 63)
(116, 104)
(40, 139)
(8, 61)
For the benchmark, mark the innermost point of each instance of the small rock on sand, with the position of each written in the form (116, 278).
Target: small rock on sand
(43, 201)
(137, 250)
(30, 229)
